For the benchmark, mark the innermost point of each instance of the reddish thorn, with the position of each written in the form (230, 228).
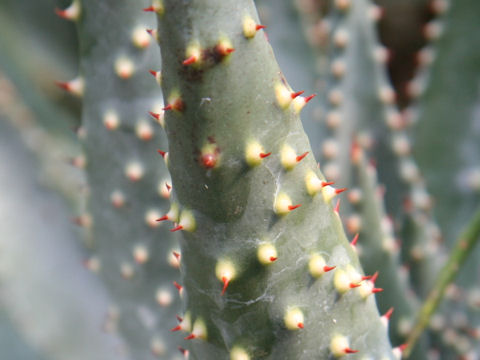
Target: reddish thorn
(150, 31)
(189, 337)
(377, 290)
(225, 284)
(337, 207)
(389, 313)
(63, 85)
(228, 51)
(300, 325)
(259, 27)
(163, 218)
(162, 153)
(374, 277)
(176, 328)
(179, 319)
(264, 155)
(168, 107)
(367, 277)
(151, 8)
(328, 268)
(300, 157)
(327, 183)
(338, 191)
(179, 227)
(352, 285)
(61, 13)
(273, 258)
(308, 98)
(176, 254)
(178, 286)
(209, 161)
(155, 115)
(153, 72)
(182, 350)
(295, 94)
(168, 186)
(355, 239)
(402, 347)
(293, 207)
(190, 60)
(349, 351)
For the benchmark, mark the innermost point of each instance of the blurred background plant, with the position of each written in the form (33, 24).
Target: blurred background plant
(399, 79)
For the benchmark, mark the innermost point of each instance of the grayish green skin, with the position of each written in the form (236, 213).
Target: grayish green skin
(52, 301)
(231, 102)
(105, 33)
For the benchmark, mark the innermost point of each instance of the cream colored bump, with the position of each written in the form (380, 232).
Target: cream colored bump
(333, 119)
(338, 68)
(151, 217)
(140, 254)
(144, 130)
(76, 86)
(199, 330)
(238, 353)
(187, 221)
(173, 213)
(140, 38)
(386, 95)
(164, 188)
(338, 344)
(354, 224)
(124, 67)
(341, 281)
(249, 27)
(252, 153)
(225, 269)
(293, 318)
(288, 157)
(298, 104)
(267, 253)
(158, 347)
(72, 12)
(157, 6)
(335, 97)
(409, 171)
(163, 297)
(93, 264)
(341, 38)
(330, 148)
(194, 50)
(381, 54)
(316, 265)
(174, 261)
(186, 323)
(283, 95)
(111, 120)
(313, 183)
(158, 109)
(282, 204)
(328, 192)
(126, 270)
(134, 171)
(342, 4)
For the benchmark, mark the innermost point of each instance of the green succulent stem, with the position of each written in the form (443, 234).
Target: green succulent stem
(458, 255)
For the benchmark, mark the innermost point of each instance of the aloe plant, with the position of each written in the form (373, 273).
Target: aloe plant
(267, 268)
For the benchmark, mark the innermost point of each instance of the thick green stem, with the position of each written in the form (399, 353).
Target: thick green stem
(253, 259)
